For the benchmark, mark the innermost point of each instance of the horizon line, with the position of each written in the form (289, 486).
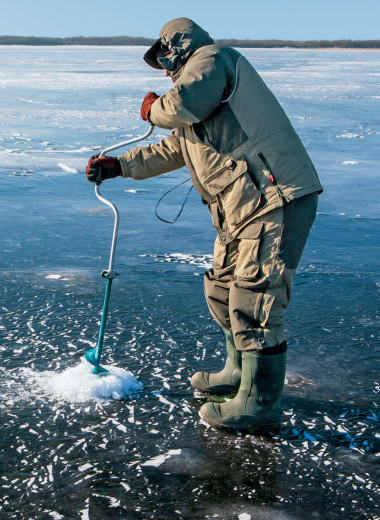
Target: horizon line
(141, 40)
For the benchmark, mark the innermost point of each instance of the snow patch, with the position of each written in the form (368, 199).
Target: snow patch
(67, 168)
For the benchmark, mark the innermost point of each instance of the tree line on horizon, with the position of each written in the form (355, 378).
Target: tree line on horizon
(132, 40)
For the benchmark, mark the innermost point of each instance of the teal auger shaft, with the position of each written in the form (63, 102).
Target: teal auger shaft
(103, 320)
(93, 356)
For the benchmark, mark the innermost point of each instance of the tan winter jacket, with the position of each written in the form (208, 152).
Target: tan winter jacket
(243, 154)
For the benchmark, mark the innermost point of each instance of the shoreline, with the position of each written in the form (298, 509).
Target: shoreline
(358, 49)
(129, 41)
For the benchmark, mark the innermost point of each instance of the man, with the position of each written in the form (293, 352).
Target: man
(251, 169)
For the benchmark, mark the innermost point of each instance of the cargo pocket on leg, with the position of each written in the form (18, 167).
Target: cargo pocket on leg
(220, 251)
(249, 238)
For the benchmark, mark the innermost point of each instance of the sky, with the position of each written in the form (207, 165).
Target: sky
(240, 19)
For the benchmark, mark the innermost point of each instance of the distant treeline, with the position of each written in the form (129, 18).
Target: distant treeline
(311, 44)
(76, 40)
(130, 40)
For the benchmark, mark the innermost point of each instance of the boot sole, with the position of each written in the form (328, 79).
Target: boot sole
(260, 429)
(210, 391)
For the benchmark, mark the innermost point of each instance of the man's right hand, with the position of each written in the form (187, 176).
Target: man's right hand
(102, 168)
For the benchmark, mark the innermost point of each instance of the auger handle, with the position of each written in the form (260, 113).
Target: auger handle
(125, 143)
(93, 356)
(110, 273)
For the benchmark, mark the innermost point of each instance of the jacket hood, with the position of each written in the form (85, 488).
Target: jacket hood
(178, 40)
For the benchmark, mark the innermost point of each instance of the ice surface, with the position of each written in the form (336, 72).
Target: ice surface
(116, 457)
(78, 384)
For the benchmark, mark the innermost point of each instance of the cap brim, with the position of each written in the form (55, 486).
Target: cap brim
(151, 56)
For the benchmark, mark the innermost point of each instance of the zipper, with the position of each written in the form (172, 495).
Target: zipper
(272, 177)
(266, 164)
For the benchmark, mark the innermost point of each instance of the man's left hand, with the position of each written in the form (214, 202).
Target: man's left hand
(148, 101)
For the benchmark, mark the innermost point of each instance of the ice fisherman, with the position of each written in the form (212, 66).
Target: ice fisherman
(249, 166)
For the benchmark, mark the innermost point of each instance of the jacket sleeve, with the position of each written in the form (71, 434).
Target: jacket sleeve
(155, 159)
(197, 92)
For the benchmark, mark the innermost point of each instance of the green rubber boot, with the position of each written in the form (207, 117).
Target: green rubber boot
(257, 404)
(227, 380)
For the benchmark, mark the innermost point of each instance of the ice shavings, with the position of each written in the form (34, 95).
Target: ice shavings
(349, 135)
(202, 261)
(56, 277)
(348, 427)
(78, 384)
(65, 275)
(160, 459)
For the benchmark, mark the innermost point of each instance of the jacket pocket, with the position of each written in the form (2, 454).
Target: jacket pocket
(236, 193)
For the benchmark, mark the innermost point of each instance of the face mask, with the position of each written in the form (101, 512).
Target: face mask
(171, 63)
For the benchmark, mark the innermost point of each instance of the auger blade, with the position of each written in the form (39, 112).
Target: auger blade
(91, 357)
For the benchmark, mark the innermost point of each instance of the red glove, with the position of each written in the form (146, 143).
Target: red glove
(101, 168)
(149, 99)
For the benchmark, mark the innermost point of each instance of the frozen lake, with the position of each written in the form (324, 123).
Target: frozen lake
(66, 452)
